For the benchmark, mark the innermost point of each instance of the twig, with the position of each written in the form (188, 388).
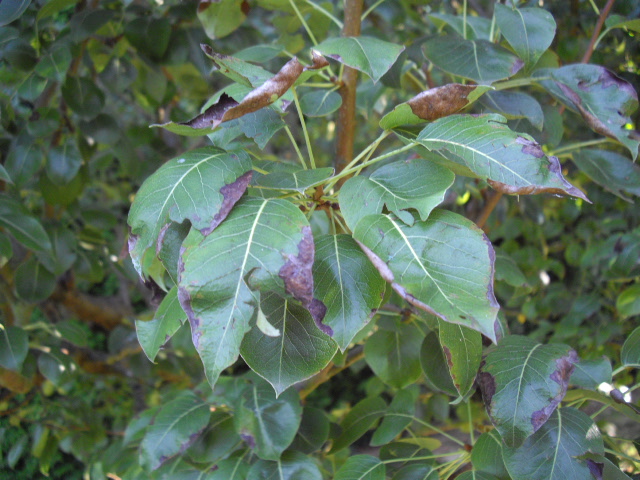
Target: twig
(488, 208)
(331, 370)
(596, 32)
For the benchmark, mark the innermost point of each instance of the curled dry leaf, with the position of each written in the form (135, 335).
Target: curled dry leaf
(433, 104)
(227, 109)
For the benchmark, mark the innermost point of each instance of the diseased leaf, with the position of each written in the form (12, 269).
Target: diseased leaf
(267, 424)
(556, 451)
(360, 418)
(486, 455)
(219, 18)
(529, 31)
(4, 175)
(605, 101)
(320, 103)
(264, 244)
(515, 105)
(591, 373)
(175, 427)
(227, 109)
(522, 384)
(349, 286)
(432, 104)
(14, 346)
(300, 351)
(367, 54)
(612, 171)
(478, 60)
(297, 181)
(155, 333)
(402, 185)
(394, 355)
(361, 467)
(435, 367)
(291, 466)
(630, 354)
(200, 186)
(510, 162)
(398, 417)
(462, 349)
(443, 266)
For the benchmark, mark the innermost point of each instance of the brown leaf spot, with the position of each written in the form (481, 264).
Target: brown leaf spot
(204, 4)
(447, 354)
(132, 241)
(487, 384)
(231, 193)
(214, 115)
(248, 439)
(564, 368)
(298, 278)
(440, 101)
(596, 469)
(185, 302)
(518, 64)
(530, 147)
(157, 294)
(161, 234)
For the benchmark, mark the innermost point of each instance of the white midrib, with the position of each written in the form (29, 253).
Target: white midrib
(344, 319)
(555, 453)
(524, 367)
(240, 281)
(415, 255)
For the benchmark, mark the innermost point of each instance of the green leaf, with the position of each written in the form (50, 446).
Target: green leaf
(33, 282)
(200, 186)
(155, 333)
(475, 475)
(522, 384)
(63, 252)
(313, 431)
(477, 60)
(150, 36)
(82, 96)
(433, 104)
(399, 416)
(618, 21)
(320, 103)
(56, 367)
(486, 455)
(507, 270)
(24, 160)
(612, 171)
(443, 266)
(52, 7)
(417, 472)
(217, 441)
(15, 218)
(291, 466)
(260, 126)
(14, 346)
(630, 354)
(477, 27)
(6, 249)
(462, 348)
(267, 424)
(554, 451)
(264, 244)
(259, 53)
(4, 175)
(369, 55)
(409, 452)
(605, 101)
(63, 162)
(221, 18)
(55, 62)
(511, 163)
(11, 10)
(349, 286)
(233, 468)
(298, 353)
(394, 355)
(591, 373)
(515, 105)
(297, 181)
(529, 31)
(434, 365)
(361, 467)
(401, 185)
(74, 332)
(175, 427)
(360, 418)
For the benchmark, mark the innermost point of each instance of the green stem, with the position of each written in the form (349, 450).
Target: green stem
(618, 370)
(493, 27)
(304, 128)
(425, 457)
(594, 415)
(304, 22)
(295, 146)
(518, 82)
(578, 146)
(622, 455)
(325, 13)
(349, 171)
(470, 423)
(319, 85)
(370, 9)
(428, 425)
(464, 19)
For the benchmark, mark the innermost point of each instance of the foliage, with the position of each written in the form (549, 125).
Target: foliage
(407, 251)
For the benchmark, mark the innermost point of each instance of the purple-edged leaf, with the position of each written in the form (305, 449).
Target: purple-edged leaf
(298, 352)
(612, 171)
(510, 162)
(347, 283)
(406, 184)
(604, 100)
(267, 424)
(478, 60)
(369, 55)
(155, 333)
(522, 384)
(200, 186)
(175, 427)
(264, 244)
(443, 266)
(557, 450)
